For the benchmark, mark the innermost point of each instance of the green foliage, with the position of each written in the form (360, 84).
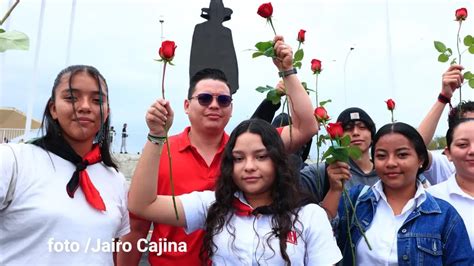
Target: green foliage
(264, 48)
(468, 75)
(470, 78)
(264, 89)
(13, 40)
(324, 102)
(468, 40)
(440, 47)
(274, 96)
(443, 58)
(437, 143)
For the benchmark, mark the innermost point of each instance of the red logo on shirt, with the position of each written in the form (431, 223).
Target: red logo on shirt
(291, 238)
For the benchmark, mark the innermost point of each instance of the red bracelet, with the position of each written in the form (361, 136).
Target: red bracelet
(444, 99)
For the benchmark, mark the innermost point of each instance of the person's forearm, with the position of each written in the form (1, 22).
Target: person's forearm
(428, 126)
(301, 109)
(331, 202)
(145, 178)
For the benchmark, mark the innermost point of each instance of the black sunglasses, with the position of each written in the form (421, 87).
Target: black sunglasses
(205, 99)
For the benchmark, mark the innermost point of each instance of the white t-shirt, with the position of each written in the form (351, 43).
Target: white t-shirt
(440, 169)
(44, 226)
(315, 245)
(461, 201)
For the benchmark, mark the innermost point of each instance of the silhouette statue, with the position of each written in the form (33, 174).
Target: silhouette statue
(212, 45)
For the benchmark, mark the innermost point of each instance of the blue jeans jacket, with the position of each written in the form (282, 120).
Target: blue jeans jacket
(433, 234)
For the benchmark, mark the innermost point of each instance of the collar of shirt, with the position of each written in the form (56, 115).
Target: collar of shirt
(454, 188)
(419, 198)
(184, 142)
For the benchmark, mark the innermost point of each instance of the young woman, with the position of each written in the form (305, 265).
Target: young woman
(458, 190)
(256, 214)
(403, 224)
(62, 200)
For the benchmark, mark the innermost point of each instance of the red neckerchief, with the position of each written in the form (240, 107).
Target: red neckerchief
(241, 209)
(80, 177)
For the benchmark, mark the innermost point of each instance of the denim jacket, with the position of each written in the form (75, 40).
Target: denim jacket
(433, 234)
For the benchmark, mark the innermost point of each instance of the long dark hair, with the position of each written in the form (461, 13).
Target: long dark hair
(51, 128)
(286, 197)
(411, 134)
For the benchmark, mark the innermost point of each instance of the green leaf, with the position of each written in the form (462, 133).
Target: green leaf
(13, 40)
(471, 49)
(273, 96)
(355, 152)
(257, 54)
(449, 52)
(264, 89)
(453, 61)
(328, 152)
(346, 140)
(341, 155)
(468, 40)
(263, 46)
(468, 75)
(330, 160)
(443, 58)
(299, 55)
(297, 65)
(270, 52)
(324, 102)
(2, 30)
(471, 83)
(440, 47)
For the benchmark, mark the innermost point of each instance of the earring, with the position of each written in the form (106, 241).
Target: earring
(421, 166)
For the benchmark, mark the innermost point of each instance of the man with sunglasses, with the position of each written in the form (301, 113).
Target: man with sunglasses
(197, 152)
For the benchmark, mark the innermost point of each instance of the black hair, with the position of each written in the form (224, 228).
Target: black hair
(459, 111)
(411, 134)
(52, 127)
(285, 193)
(450, 133)
(206, 73)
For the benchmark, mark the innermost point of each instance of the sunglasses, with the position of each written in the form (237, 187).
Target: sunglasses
(205, 99)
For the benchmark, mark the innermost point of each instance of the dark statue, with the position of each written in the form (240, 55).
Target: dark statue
(212, 45)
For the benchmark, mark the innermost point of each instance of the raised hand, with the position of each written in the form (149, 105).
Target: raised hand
(452, 79)
(283, 53)
(159, 117)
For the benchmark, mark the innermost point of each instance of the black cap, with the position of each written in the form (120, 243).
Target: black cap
(356, 114)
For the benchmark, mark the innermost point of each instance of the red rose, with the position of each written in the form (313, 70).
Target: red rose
(301, 35)
(167, 50)
(390, 104)
(335, 130)
(316, 66)
(265, 10)
(461, 14)
(321, 114)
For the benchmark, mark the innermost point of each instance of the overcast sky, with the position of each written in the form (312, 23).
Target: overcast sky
(393, 57)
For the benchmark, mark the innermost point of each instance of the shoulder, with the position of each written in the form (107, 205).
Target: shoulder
(311, 211)
(21, 151)
(436, 205)
(440, 189)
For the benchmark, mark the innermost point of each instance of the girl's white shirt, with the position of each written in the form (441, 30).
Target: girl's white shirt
(315, 243)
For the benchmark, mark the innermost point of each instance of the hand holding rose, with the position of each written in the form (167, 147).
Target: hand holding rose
(283, 54)
(159, 117)
(452, 79)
